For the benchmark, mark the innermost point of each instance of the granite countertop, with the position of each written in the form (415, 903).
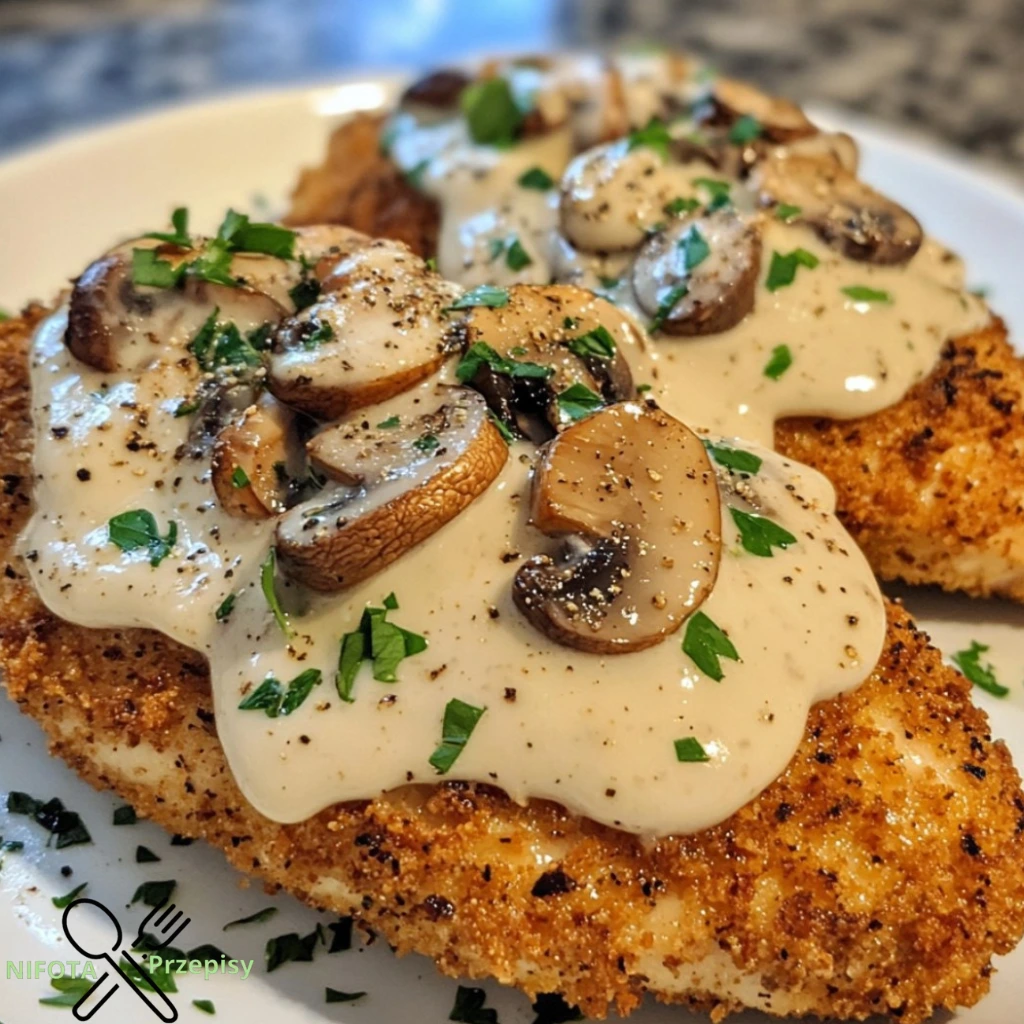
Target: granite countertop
(947, 68)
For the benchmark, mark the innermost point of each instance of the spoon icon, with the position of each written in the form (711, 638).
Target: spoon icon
(165, 1012)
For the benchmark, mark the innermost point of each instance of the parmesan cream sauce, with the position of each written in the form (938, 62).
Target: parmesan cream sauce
(594, 733)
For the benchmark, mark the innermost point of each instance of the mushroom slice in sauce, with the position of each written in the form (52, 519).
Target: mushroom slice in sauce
(634, 494)
(558, 334)
(780, 119)
(438, 91)
(379, 329)
(708, 263)
(400, 484)
(250, 460)
(115, 324)
(848, 214)
(837, 146)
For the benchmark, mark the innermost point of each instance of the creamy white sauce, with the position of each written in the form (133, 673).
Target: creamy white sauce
(594, 733)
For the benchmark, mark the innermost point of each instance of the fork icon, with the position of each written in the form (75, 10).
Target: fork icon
(166, 922)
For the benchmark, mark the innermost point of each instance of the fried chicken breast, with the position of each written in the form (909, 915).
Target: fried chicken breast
(879, 874)
(930, 488)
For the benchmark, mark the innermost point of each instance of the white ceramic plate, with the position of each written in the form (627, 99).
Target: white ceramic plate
(64, 203)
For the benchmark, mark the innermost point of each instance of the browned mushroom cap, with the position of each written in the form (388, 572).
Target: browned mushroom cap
(404, 482)
(572, 335)
(633, 492)
(699, 275)
(115, 324)
(250, 460)
(837, 146)
(848, 214)
(440, 90)
(379, 329)
(780, 120)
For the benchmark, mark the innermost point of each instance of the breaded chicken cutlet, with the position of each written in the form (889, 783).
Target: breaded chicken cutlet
(932, 487)
(878, 875)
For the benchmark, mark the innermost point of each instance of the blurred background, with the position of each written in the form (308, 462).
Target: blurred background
(950, 69)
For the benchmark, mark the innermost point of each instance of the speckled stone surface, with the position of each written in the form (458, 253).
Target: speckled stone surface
(953, 69)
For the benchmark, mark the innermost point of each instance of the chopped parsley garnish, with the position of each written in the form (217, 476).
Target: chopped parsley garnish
(608, 283)
(483, 295)
(733, 458)
(861, 293)
(11, 846)
(694, 247)
(426, 442)
(268, 573)
(415, 176)
(22, 803)
(595, 344)
(720, 192)
(983, 676)
(225, 608)
(185, 409)
(125, 815)
(144, 855)
(333, 995)
(460, 720)
(492, 114)
(536, 178)
(390, 423)
(779, 362)
(240, 234)
(480, 353)
(239, 478)
(258, 918)
(680, 205)
(60, 902)
(787, 211)
(782, 270)
(551, 1008)
(503, 428)
(674, 294)
(150, 270)
(654, 135)
(273, 699)
(291, 948)
(305, 293)
(70, 989)
(137, 529)
(205, 1005)
(154, 893)
(341, 935)
(642, 389)
(180, 235)
(222, 344)
(759, 534)
(745, 129)
(516, 257)
(323, 331)
(704, 643)
(691, 750)
(378, 641)
(578, 401)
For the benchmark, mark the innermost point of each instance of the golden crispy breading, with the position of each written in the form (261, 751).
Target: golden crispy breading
(931, 488)
(879, 874)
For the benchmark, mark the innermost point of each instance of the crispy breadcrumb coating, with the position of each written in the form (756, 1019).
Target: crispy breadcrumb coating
(879, 874)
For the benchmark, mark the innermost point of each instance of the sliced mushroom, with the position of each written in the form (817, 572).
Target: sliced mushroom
(848, 214)
(559, 329)
(250, 461)
(438, 91)
(699, 275)
(836, 146)
(401, 484)
(632, 491)
(115, 324)
(780, 119)
(379, 329)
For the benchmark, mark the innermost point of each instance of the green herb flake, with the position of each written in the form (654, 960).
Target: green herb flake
(414, 176)
(516, 257)
(204, 1005)
(982, 676)
(153, 894)
(291, 948)
(734, 458)
(460, 719)
(745, 129)
(180, 235)
(137, 529)
(185, 409)
(213, 264)
(258, 918)
(426, 442)
(156, 981)
(353, 650)
(779, 362)
(503, 428)
(667, 304)
(22, 803)
(239, 478)
(690, 750)
(273, 699)
(694, 247)
(390, 423)
(239, 234)
(483, 295)
(383, 643)
(125, 815)
(595, 344)
(341, 935)
(861, 293)
(787, 212)
(704, 643)
(654, 135)
(299, 689)
(608, 283)
(782, 269)
(759, 534)
(480, 354)
(578, 401)
(60, 902)
(536, 178)
(333, 995)
(551, 1008)
(469, 1007)
(144, 855)
(222, 344)
(681, 205)
(492, 114)
(719, 192)
(149, 270)
(225, 608)
(70, 991)
(268, 574)
(642, 389)
(305, 293)
(322, 332)
(66, 825)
